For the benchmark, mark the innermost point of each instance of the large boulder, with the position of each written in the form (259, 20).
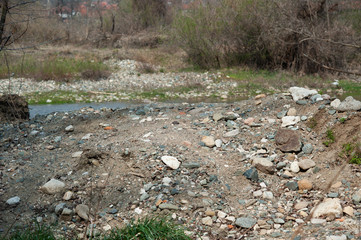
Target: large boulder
(13, 107)
(288, 140)
(299, 93)
(349, 104)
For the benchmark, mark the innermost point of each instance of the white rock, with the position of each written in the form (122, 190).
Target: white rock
(87, 136)
(218, 143)
(166, 181)
(318, 221)
(331, 206)
(300, 93)
(306, 164)
(68, 195)
(257, 193)
(83, 211)
(232, 133)
(333, 237)
(295, 167)
(292, 112)
(69, 128)
(290, 120)
(207, 221)
(208, 141)
(53, 186)
(221, 214)
(335, 103)
(13, 201)
(349, 211)
(171, 162)
(349, 104)
(77, 154)
(268, 195)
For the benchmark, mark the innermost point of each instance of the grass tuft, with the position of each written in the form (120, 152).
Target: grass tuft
(35, 232)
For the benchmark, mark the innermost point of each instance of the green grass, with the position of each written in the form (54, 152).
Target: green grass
(351, 88)
(331, 138)
(35, 232)
(146, 229)
(53, 68)
(352, 151)
(149, 229)
(57, 97)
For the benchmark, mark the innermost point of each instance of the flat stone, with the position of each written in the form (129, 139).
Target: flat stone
(245, 222)
(249, 121)
(168, 206)
(232, 133)
(191, 165)
(292, 112)
(257, 193)
(208, 141)
(356, 197)
(221, 214)
(299, 93)
(207, 221)
(171, 162)
(267, 195)
(218, 116)
(264, 165)
(334, 237)
(329, 207)
(349, 104)
(288, 140)
(301, 102)
(318, 221)
(293, 186)
(82, 211)
(259, 96)
(304, 184)
(301, 205)
(66, 211)
(77, 154)
(210, 213)
(13, 201)
(306, 164)
(59, 208)
(290, 120)
(53, 186)
(349, 211)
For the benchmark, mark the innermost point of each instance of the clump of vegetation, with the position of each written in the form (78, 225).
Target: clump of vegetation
(352, 151)
(330, 136)
(35, 232)
(312, 123)
(342, 120)
(149, 228)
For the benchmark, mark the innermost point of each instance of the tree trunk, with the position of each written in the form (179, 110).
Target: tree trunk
(4, 11)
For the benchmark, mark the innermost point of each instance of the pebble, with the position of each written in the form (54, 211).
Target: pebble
(59, 208)
(218, 143)
(264, 165)
(293, 186)
(171, 162)
(334, 237)
(307, 148)
(245, 222)
(292, 112)
(208, 141)
(82, 211)
(301, 205)
(295, 167)
(53, 186)
(232, 133)
(290, 120)
(221, 214)
(77, 154)
(207, 221)
(318, 221)
(267, 195)
(69, 128)
(306, 164)
(13, 201)
(168, 206)
(356, 198)
(330, 206)
(288, 140)
(349, 211)
(304, 184)
(299, 93)
(251, 174)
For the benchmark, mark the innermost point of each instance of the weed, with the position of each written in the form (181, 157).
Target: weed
(312, 123)
(149, 228)
(35, 232)
(352, 151)
(342, 120)
(330, 136)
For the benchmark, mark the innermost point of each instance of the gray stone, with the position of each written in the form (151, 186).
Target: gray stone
(66, 211)
(245, 222)
(304, 118)
(332, 195)
(293, 186)
(218, 116)
(83, 211)
(207, 221)
(13, 201)
(279, 220)
(331, 112)
(301, 102)
(299, 93)
(57, 139)
(77, 154)
(144, 196)
(316, 98)
(281, 114)
(267, 195)
(334, 237)
(335, 103)
(281, 165)
(356, 197)
(251, 174)
(290, 120)
(288, 140)
(232, 133)
(306, 164)
(191, 165)
(307, 148)
(59, 208)
(349, 104)
(168, 206)
(34, 133)
(53, 186)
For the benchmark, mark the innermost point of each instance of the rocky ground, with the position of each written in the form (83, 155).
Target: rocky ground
(253, 169)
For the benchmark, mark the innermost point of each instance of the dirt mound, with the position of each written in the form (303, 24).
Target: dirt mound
(13, 107)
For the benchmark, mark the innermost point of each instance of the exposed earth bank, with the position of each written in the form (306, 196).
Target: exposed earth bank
(253, 169)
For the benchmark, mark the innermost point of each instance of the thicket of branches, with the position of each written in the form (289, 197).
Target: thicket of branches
(306, 35)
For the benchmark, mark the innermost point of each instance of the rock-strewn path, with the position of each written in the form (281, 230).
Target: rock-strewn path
(253, 169)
